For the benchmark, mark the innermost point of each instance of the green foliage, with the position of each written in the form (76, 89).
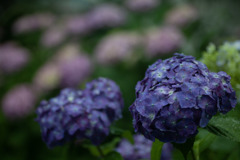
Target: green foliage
(203, 140)
(113, 156)
(156, 150)
(186, 147)
(123, 133)
(106, 148)
(225, 58)
(225, 126)
(177, 155)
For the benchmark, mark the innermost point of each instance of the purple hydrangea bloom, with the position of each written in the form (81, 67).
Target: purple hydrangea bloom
(117, 48)
(176, 96)
(18, 102)
(68, 68)
(12, 57)
(163, 41)
(47, 78)
(106, 15)
(54, 36)
(78, 24)
(142, 5)
(33, 22)
(182, 15)
(141, 149)
(76, 114)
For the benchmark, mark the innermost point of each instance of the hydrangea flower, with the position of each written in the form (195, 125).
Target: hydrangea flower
(33, 22)
(106, 15)
(117, 47)
(162, 41)
(78, 25)
(18, 102)
(181, 16)
(54, 36)
(141, 5)
(176, 96)
(47, 78)
(225, 58)
(76, 114)
(12, 57)
(68, 68)
(141, 149)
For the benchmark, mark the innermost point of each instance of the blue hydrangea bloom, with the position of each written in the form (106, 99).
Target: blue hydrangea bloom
(176, 96)
(141, 149)
(79, 114)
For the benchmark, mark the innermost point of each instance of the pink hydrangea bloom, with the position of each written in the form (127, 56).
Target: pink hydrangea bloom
(163, 41)
(182, 15)
(53, 36)
(142, 5)
(106, 15)
(117, 47)
(78, 24)
(33, 22)
(18, 102)
(46, 78)
(75, 70)
(12, 57)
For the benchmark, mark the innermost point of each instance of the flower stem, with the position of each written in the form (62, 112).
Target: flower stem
(100, 151)
(193, 156)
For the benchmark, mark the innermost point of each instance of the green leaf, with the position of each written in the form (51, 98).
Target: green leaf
(106, 148)
(225, 126)
(116, 131)
(128, 136)
(177, 155)
(123, 133)
(203, 143)
(113, 156)
(185, 147)
(156, 150)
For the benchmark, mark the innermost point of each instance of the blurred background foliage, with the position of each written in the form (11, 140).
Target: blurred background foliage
(47, 45)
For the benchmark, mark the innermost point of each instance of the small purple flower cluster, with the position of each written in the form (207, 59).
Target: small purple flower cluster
(141, 149)
(106, 15)
(181, 16)
(102, 16)
(33, 22)
(12, 57)
(117, 48)
(60, 70)
(163, 41)
(176, 96)
(142, 5)
(18, 102)
(79, 114)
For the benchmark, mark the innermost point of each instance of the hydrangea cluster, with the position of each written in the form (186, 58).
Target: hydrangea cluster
(18, 102)
(162, 41)
(78, 114)
(33, 22)
(47, 78)
(141, 5)
(225, 58)
(141, 149)
(117, 47)
(78, 25)
(60, 70)
(182, 15)
(12, 57)
(106, 15)
(176, 96)
(54, 36)
(68, 68)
